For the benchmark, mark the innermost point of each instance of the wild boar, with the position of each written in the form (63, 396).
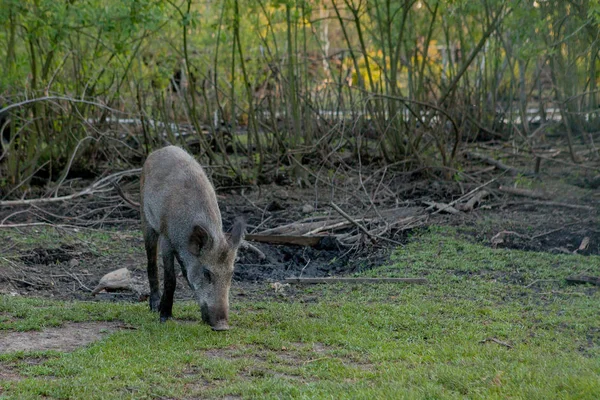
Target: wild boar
(179, 208)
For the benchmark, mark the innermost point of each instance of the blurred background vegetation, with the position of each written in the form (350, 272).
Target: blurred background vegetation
(256, 87)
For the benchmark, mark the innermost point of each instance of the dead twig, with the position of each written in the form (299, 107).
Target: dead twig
(500, 342)
(297, 228)
(498, 164)
(247, 246)
(539, 235)
(540, 280)
(352, 220)
(361, 227)
(96, 187)
(332, 227)
(122, 194)
(73, 276)
(441, 207)
(286, 239)
(473, 201)
(24, 282)
(500, 236)
(63, 226)
(523, 192)
(461, 198)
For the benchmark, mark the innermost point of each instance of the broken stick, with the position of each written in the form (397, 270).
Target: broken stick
(286, 239)
(470, 205)
(523, 192)
(352, 220)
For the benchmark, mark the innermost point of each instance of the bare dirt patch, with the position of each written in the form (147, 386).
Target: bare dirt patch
(64, 338)
(8, 372)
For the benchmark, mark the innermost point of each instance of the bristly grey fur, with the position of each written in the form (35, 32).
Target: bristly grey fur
(179, 206)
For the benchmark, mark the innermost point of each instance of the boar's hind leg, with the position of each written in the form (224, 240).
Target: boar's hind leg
(170, 280)
(151, 244)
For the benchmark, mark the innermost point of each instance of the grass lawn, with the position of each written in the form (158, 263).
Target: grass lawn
(343, 341)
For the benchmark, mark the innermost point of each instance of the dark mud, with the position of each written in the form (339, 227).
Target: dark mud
(64, 338)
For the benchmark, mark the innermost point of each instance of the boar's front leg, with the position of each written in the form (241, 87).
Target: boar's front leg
(170, 280)
(151, 244)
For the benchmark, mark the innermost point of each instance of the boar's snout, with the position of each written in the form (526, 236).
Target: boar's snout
(216, 317)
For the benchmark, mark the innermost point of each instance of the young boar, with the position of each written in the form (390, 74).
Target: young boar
(179, 208)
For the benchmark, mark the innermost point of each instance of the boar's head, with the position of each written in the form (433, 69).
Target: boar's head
(208, 267)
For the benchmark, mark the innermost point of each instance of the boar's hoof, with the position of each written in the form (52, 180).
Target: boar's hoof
(163, 319)
(220, 326)
(154, 302)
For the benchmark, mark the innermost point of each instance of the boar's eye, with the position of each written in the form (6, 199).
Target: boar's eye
(207, 275)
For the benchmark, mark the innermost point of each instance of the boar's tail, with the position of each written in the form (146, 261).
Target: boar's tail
(125, 197)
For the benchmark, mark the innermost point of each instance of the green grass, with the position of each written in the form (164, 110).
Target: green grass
(355, 342)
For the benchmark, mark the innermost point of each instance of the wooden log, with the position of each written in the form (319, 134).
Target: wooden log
(523, 192)
(286, 239)
(354, 280)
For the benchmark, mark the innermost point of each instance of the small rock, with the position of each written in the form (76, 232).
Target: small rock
(119, 279)
(279, 287)
(307, 209)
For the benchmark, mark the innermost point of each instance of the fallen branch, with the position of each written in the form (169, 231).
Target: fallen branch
(247, 246)
(500, 342)
(498, 164)
(361, 227)
(286, 239)
(465, 196)
(523, 192)
(539, 235)
(473, 201)
(352, 221)
(543, 203)
(73, 276)
(297, 228)
(98, 186)
(135, 205)
(332, 227)
(354, 280)
(565, 205)
(441, 207)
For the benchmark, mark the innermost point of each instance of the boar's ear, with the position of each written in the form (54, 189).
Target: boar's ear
(237, 233)
(199, 240)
